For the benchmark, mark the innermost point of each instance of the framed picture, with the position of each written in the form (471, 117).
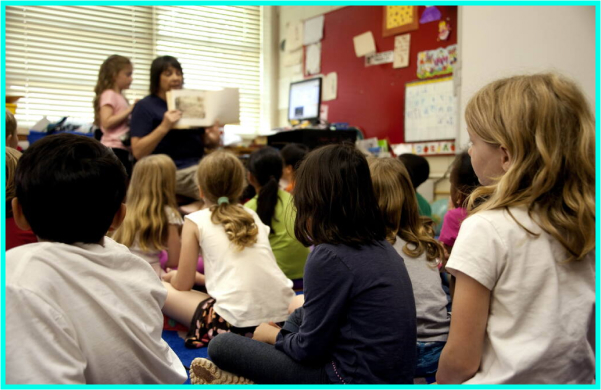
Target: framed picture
(399, 19)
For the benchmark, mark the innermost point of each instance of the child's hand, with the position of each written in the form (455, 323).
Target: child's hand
(171, 117)
(266, 333)
(169, 275)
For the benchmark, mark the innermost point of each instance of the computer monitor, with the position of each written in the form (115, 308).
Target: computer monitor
(305, 100)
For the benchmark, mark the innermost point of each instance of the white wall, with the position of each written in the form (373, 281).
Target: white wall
(500, 41)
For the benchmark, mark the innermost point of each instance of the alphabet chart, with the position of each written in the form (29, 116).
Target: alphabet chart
(430, 110)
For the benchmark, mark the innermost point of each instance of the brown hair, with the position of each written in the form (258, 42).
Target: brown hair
(11, 124)
(547, 127)
(12, 158)
(463, 179)
(335, 200)
(107, 74)
(221, 174)
(398, 205)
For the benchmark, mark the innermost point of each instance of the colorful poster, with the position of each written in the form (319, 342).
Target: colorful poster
(436, 62)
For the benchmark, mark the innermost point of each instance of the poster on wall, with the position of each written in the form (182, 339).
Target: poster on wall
(398, 19)
(401, 51)
(436, 62)
(313, 30)
(313, 59)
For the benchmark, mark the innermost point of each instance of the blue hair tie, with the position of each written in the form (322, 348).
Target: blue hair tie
(223, 199)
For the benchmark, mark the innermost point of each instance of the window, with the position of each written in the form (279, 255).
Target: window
(53, 54)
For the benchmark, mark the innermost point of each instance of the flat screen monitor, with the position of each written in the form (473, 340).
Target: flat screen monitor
(305, 100)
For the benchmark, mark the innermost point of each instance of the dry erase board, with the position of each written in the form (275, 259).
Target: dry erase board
(430, 109)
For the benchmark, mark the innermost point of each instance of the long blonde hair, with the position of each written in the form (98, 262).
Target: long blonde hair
(152, 187)
(398, 205)
(107, 74)
(221, 174)
(546, 126)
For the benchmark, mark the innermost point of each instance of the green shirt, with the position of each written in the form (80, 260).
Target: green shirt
(289, 253)
(424, 207)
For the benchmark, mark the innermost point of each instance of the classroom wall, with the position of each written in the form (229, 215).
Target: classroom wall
(499, 41)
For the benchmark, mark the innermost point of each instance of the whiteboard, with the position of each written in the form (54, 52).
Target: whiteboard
(430, 110)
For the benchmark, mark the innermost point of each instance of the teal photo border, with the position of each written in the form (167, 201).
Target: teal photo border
(596, 4)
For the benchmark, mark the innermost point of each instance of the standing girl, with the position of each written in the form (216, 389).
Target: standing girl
(152, 222)
(274, 207)
(413, 238)
(357, 324)
(524, 305)
(111, 108)
(244, 283)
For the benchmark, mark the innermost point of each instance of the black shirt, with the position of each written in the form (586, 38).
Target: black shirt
(185, 147)
(359, 316)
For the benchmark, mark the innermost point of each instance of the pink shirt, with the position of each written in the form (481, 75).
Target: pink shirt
(451, 224)
(112, 137)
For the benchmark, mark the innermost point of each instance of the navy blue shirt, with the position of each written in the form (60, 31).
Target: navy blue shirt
(185, 147)
(359, 316)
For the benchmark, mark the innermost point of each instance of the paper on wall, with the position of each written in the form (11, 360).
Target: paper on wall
(330, 86)
(293, 58)
(364, 44)
(313, 30)
(385, 57)
(401, 51)
(294, 36)
(399, 149)
(313, 59)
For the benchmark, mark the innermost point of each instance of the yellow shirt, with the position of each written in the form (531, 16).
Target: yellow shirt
(289, 253)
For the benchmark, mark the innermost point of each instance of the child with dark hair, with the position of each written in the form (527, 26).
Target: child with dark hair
(292, 154)
(274, 207)
(419, 171)
(357, 324)
(463, 182)
(89, 309)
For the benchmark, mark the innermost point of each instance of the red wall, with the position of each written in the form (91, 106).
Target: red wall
(373, 98)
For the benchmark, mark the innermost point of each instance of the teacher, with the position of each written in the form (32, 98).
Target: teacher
(151, 127)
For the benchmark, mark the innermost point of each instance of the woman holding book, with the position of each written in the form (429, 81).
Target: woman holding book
(151, 125)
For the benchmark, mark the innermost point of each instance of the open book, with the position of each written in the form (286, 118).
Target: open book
(202, 108)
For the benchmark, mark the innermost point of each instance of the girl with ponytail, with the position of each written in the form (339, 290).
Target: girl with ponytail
(274, 207)
(245, 287)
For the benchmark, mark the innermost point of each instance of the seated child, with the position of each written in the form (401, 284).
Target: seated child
(292, 154)
(152, 223)
(80, 308)
(12, 140)
(357, 324)
(14, 236)
(244, 284)
(274, 207)
(419, 171)
(413, 238)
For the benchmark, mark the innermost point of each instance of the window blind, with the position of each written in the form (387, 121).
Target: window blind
(218, 47)
(53, 55)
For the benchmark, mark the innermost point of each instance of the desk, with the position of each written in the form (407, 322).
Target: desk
(311, 137)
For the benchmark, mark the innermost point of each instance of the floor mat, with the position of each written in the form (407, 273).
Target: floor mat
(176, 342)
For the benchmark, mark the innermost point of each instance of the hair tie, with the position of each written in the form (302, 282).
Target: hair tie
(223, 199)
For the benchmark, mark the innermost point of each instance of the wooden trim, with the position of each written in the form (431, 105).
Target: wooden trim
(401, 29)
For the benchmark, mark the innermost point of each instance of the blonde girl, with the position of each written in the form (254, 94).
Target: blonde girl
(152, 223)
(111, 108)
(524, 304)
(245, 285)
(413, 238)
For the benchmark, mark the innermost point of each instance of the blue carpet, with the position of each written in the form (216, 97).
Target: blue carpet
(185, 355)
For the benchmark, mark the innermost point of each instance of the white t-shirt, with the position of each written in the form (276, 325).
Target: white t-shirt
(541, 321)
(430, 299)
(153, 257)
(85, 313)
(248, 286)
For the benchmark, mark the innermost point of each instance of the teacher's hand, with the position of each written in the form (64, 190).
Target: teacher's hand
(171, 117)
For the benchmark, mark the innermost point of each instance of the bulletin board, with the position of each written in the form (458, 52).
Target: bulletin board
(373, 97)
(430, 110)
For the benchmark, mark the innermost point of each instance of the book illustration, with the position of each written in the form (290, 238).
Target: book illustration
(191, 106)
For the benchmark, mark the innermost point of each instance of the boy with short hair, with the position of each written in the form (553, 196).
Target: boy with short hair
(80, 308)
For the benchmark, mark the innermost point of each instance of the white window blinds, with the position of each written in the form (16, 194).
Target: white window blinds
(53, 55)
(218, 47)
